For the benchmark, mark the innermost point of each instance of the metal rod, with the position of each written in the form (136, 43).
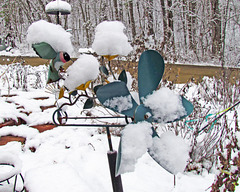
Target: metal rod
(174, 180)
(58, 21)
(116, 181)
(112, 157)
(92, 125)
(109, 139)
(109, 65)
(110, 117)
(219, 116)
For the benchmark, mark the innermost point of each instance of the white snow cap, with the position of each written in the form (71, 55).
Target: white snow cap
(84, 69)
(110, 39)
(171, 151)
(54, 35)
(165, 105)
(136, 139)
(58, 5)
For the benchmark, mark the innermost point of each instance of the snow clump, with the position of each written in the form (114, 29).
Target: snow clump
(84, 69)
(136, 139)
(54, 35)
(119, 103)
(110, 39)
(165, 105)
(58, 5)
(171, 152)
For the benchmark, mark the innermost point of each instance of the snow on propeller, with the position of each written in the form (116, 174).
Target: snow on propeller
(45, 51)
(150, 71)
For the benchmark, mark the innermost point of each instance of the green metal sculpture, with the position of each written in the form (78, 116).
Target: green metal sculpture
(45, 51)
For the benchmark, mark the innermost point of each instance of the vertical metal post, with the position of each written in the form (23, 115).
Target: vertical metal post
(58, 21)
(112, 156)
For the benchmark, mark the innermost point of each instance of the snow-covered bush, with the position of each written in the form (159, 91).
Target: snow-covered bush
(211, 97)
(23, 77)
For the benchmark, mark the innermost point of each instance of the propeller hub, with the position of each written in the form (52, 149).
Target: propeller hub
(142, 113)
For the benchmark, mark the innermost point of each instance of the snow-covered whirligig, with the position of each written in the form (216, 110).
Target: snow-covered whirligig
(156, 106)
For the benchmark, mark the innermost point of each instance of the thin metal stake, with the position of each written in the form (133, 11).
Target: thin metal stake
(112, 156)
(174, 181)
(109, 139)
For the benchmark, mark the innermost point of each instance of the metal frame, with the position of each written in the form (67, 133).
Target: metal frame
(15, 180)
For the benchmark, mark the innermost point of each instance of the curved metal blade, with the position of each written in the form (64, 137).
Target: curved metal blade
(188, 108)
(117, 97)
(119, 157)
(44, 50)
(154, 154)
(150, 71)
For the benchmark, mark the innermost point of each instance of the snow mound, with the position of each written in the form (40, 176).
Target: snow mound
(55, 35)
(136, 139)
(84, 69)
(165, 105)
(171, 151)
(119, 103)
(58, 5)
(56, 177)
(110, 39)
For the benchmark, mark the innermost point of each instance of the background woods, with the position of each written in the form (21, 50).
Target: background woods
(182, 30)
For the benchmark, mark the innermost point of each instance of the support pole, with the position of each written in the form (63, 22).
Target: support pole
(58, 20)
(112, 156)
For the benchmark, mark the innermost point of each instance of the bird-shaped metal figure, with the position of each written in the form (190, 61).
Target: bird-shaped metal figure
(45, 51)
(150, 71)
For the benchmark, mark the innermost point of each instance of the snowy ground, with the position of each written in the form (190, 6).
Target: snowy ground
(75, 158)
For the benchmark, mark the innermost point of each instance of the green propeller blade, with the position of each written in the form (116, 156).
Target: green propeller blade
(119, 158)
(152, 151)
(150, 71)
(117, 97)
(44, 50)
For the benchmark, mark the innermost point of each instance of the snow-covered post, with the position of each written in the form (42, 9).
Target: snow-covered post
(57, 7)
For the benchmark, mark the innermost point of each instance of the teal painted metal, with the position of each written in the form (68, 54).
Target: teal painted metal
(3, 47)
(150, 71)
(113, 90)
(143, 113)
(45, 51)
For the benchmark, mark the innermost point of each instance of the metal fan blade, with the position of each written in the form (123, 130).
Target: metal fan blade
(44, 50)
(117, 97)
(153, 153)
(119, 157)
(188, 108)
(150, 71)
